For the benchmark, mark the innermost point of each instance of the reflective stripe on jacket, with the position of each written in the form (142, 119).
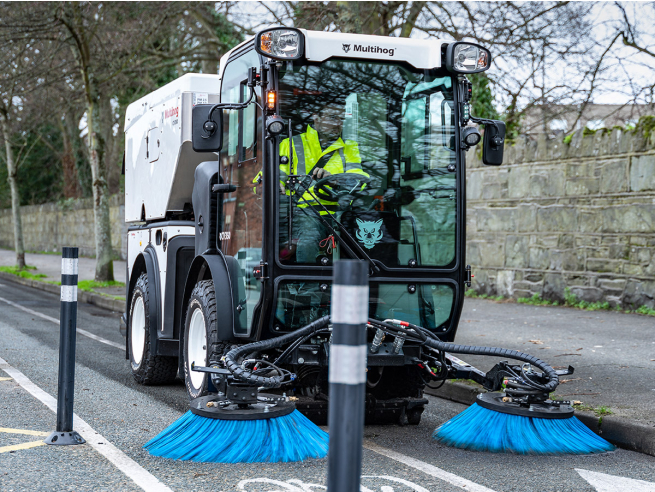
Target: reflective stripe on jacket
(307, 152)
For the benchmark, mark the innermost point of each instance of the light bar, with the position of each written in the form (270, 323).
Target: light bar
(281, 43)
(467, 58)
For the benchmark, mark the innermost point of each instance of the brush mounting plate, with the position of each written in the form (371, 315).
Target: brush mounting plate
(545, 410)
(218, 407)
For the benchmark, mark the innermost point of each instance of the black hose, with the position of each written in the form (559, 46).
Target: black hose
(247, 375)
(550, 373)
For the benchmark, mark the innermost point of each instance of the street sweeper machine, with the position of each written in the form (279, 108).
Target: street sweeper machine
(243, 189)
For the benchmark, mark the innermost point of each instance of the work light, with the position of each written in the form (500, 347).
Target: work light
(275, 125)
(281, 43)
(467, 58)
(470, 136)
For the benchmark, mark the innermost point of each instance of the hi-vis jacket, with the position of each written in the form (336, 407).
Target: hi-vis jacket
(306, 154)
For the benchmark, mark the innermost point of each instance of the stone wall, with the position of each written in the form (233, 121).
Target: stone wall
(51, 226)
(555, 215)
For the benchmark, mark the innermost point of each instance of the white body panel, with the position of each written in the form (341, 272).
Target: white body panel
(138, 240)
(321, 45)
(159, 158)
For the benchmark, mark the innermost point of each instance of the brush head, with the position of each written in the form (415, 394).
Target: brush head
(548, 409)
(217, 407)
(482, 429)
(292, 437)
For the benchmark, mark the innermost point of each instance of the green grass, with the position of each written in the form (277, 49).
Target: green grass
(570, 300)
(472, 293)
(23, 273)
(91, 285)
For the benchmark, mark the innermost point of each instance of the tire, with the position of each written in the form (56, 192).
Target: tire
(147, 368)
(201, 342)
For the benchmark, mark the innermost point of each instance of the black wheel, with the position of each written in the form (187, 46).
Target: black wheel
(414, 416)
(201, 343)
(147, 368)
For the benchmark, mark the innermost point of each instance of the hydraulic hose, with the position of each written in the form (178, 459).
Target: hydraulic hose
(247, 375)
(550, 373)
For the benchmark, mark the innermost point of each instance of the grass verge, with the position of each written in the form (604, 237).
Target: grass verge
(22, 272)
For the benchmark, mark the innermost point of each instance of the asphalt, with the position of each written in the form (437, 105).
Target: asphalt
(127, 415)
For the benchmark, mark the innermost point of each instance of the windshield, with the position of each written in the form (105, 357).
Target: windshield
(368, 155)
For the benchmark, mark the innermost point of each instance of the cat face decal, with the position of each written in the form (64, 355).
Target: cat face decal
(369, 232)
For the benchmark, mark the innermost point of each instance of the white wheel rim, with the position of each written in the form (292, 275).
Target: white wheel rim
(197, 347)
(138, 330)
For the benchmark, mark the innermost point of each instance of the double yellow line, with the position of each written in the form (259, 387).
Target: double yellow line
(26, 445)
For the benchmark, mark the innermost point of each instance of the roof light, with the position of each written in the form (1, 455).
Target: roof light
(281, 43)
(467, 58)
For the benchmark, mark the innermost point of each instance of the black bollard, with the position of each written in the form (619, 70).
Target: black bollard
(347, 375)
(67, 331)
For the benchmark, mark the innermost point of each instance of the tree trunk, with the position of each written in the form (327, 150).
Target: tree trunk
(15, 198)
(95, 142)
(68, 164)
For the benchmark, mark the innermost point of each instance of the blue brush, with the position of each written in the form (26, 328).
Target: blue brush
(481, 429)
(292, 437)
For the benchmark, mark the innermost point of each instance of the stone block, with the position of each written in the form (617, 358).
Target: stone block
(516, 251)
(582, 186)
(614, 176)
(566, 241)
(612, 286)
(619, 251)
(534, 277)
(518, 181)
(642, 173)
(604, 265)
(526, 217)
(505, 283)
(639, 293)
(496, 219)
(633, 269)
(638, 217)
(554, 286)
(539, 258)
(474, 184)
(589, 220)
(556, 218)
(565, 260)
(491, 253)
(547, 182)
(548, 241)
(588, 294)
(491, 191)
(581, 280)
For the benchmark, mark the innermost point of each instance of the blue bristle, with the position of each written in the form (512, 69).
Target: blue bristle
(481, 429)
(192, 437)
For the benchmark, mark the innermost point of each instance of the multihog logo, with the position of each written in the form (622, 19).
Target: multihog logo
(172, 112)
(369, 49)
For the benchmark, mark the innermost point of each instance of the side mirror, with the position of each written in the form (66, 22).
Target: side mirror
(206, 134)
(493, 143)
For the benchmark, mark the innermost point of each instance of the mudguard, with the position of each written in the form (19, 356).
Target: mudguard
(212, 266)
(149, 259)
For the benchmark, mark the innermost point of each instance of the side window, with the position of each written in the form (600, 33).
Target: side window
(241, 231)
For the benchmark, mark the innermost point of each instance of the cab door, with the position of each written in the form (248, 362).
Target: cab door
(240, 237)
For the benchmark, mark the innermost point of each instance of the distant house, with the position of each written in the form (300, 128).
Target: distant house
(555, 119)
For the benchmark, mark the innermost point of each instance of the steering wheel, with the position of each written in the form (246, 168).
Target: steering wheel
(336, 186)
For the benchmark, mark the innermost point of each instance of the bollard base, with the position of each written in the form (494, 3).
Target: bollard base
(64, 438)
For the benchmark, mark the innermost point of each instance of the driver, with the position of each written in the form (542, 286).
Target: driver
(319, 152)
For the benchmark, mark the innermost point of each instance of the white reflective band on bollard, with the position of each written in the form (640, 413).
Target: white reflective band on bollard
(69, 266)
(349, 304)
(347, 364)
(69, 293)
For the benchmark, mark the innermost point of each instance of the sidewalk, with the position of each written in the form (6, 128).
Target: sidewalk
(50, 265)
(613, 353)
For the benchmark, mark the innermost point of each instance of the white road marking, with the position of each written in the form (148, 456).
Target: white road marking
(611, 483)
(432, 470)
(55, 320)
(120, 460)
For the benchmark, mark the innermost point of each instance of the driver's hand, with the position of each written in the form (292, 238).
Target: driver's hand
(320, 173)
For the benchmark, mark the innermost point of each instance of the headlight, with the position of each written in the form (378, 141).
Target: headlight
(281, 43)
(467, 58)
(275, 125)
